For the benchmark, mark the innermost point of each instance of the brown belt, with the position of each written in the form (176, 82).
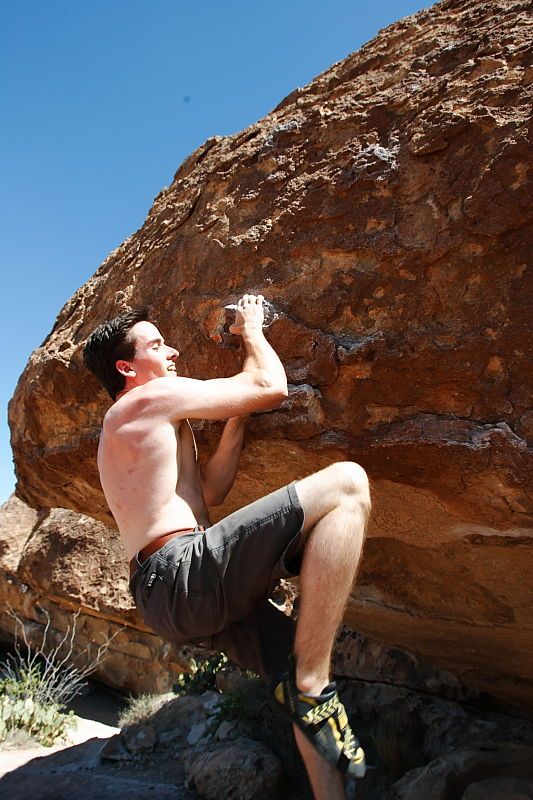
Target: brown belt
(157, 544)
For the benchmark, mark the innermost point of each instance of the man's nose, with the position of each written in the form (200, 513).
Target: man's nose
(173, 354)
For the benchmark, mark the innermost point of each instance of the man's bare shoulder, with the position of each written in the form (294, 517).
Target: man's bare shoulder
(113, 419)
(148, 397)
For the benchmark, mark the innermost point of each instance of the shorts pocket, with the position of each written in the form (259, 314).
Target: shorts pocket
(193, 615)
(153, 604)
(151, 592)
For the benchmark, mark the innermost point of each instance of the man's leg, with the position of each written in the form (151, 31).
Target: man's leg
(336, 502)
(327, 782)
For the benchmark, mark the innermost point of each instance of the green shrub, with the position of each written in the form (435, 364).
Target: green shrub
(20, 709)
(36, 682)
(233, 707)
(202, 677)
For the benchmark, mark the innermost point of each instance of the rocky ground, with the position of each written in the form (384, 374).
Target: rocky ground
(40, 773)
(225, 744)
(34, 772)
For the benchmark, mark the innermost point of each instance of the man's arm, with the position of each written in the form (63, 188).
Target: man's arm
(218, 474)
(261, 359)
(260, 386)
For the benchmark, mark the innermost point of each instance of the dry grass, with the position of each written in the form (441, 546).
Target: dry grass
(142, 708)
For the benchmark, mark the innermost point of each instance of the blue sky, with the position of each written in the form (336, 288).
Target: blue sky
(101, 101)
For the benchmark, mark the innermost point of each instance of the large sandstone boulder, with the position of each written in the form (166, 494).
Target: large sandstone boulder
(384, 208)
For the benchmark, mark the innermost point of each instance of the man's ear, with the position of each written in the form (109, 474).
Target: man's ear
(125, 369)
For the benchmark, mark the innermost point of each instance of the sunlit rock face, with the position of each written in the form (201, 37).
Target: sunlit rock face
(385, 209)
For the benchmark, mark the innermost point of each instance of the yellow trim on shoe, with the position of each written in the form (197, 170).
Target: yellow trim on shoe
(343, 751)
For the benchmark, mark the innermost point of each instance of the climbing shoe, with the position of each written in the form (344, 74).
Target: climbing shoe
(324, 722)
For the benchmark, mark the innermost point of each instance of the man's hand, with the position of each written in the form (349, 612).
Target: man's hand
(249, 315)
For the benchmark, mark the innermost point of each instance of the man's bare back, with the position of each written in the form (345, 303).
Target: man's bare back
(151, 477)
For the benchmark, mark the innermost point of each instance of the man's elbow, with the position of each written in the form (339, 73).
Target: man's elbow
(269, 393)
(275, 394)
(213, 499)
(281, 393)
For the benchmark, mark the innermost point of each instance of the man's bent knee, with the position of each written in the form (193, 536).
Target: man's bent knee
(330, 488)
(353, 482)
(351, 477)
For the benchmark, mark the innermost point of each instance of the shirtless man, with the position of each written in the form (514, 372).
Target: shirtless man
(209, 584)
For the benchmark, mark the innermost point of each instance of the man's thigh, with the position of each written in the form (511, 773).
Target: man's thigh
(253, 548)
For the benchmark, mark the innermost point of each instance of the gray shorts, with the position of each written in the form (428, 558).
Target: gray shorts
(211, 588)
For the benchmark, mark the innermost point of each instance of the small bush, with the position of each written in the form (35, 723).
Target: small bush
(203, 675)
(20, 709)
(399, 745)
(37, 682)
(140, 709)
(233, 707)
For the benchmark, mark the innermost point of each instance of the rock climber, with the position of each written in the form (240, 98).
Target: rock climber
(209, 584)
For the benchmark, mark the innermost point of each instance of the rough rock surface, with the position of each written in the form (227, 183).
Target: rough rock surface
(500, 789)
(403, 729)
(462, 775)
(242, 769)
(385, 208)
(367, 660)
(189, 727)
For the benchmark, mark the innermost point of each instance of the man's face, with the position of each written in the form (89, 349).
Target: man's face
(153, 358)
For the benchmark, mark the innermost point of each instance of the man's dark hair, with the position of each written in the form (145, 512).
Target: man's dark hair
(110, 342)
